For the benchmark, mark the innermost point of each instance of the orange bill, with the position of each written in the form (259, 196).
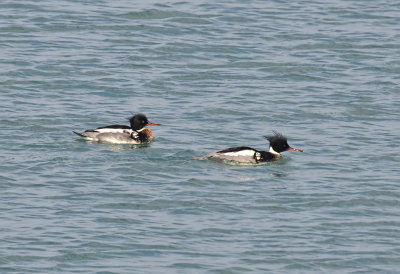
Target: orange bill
(153, 124)
(295, 149)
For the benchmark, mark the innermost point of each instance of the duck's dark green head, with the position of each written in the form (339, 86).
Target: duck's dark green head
(139, 121)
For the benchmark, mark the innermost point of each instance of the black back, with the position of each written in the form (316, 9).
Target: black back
(116, 126)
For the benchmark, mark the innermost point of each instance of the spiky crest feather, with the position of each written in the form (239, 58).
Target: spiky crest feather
(276, 137)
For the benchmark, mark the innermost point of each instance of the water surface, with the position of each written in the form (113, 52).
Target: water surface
(215, 75)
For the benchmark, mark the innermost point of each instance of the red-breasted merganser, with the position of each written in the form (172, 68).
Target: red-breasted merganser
(136, 133)
(247, 155)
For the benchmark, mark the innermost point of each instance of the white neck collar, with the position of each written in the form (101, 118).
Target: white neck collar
(271, 150)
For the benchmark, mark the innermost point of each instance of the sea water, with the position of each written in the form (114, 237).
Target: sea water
(215, 74)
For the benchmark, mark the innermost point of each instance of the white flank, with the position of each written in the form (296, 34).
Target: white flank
(121, 142)
(242, 153)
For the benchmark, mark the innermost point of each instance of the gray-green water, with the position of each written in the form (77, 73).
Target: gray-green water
(216, 75)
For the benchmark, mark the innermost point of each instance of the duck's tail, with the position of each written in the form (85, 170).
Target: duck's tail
(78, 133)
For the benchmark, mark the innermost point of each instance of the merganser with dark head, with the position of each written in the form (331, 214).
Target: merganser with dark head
(136, 133)
(247, 155)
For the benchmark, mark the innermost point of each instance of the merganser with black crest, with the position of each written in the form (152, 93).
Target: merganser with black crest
(247, 155)
(136, 133)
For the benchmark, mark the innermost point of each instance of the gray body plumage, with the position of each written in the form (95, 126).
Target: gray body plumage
(117, 138)
(113, 137)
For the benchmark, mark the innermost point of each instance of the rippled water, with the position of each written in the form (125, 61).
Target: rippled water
(216, 75)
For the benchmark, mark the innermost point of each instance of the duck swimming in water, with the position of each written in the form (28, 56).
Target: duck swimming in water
(136, 133)
(247, 155)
